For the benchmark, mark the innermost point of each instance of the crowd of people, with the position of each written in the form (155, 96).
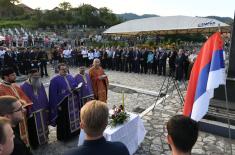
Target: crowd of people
(23, 59)
(24, 51)
(70, 107)
(136, 60)
(26, 40)
(30, 110)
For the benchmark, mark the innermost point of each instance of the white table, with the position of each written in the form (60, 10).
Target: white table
(131, 133)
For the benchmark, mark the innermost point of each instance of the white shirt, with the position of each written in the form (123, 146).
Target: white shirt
(67, 53)
(84, 53)
(110, 54)
(192, 57)
(114, 52)
(2, 52)
(96, 54)
(91, 56)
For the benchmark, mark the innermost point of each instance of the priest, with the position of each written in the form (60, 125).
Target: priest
(38, 114)
(86, 89)
(8, 87)
(64, 101)
(99, 81)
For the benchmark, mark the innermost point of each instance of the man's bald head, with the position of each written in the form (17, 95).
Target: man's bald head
(96, 63)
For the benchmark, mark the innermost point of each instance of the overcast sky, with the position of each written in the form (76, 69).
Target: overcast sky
(223, 8)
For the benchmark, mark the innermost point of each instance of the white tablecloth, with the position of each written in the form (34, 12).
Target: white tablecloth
(131, 133)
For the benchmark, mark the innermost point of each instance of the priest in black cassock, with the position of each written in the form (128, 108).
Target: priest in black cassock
(64, 101)
(38, 112)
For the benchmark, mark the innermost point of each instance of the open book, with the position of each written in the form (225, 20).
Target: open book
(78, 87)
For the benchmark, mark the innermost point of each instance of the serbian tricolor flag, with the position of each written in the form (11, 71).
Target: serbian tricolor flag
(208, 73)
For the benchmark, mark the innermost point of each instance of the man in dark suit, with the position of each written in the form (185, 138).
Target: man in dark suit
(179, 64)
(172, 61)
(155, 62)
(125, 64)
(162, 62)
(130, 60)
(117, 59)
(19, 57)
(136, 61)
(34, 58)
(10, 60)
(26, 61)
(142, 60)
(94, 119)
(145, 56)
(43, 59)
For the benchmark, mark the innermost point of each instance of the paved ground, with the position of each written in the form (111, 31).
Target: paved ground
(155, 140)
(154, 121)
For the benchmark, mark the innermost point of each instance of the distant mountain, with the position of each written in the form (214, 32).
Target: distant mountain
(226, 20)
(131, 16)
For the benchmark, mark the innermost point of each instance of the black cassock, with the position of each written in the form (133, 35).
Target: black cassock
(63, 120)
(179, 68)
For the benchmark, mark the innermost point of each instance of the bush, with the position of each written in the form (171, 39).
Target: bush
(17, 23)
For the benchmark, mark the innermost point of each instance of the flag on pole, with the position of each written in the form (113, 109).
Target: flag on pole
(208, 73)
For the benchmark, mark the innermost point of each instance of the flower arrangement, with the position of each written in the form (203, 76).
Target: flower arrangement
(119, 116)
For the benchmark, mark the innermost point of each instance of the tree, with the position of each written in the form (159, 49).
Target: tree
(107, 17)
(65, 6)
(9, 9)
(85, 14)
(38, 14)
(5, 3)
(88, 15)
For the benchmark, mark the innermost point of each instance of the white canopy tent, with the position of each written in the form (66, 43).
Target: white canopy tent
(168, 25)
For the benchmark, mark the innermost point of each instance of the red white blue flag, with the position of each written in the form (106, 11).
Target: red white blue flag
(208, 73)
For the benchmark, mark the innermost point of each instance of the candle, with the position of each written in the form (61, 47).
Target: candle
(123, 100)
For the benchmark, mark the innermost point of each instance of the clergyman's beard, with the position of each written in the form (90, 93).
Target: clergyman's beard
(82, 72)
(36, 84)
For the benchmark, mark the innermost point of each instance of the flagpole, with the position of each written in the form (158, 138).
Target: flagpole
(226, 98)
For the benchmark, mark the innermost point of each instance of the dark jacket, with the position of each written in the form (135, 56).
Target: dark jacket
(99, 147)
(42, 56)
(9, 58)
(19, 146)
